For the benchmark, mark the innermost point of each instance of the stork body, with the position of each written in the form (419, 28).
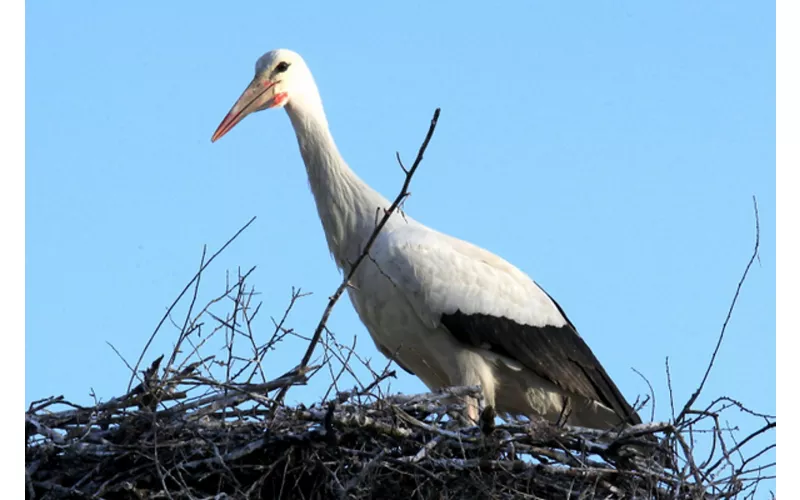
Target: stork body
(445, 310)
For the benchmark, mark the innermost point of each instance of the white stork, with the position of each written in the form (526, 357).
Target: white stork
(443, 309)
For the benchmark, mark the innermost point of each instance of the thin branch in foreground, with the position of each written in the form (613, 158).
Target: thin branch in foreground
(346, 281)
(180, 296)
(753, 257)
(185, 331)
(652, 394)
(669, 387)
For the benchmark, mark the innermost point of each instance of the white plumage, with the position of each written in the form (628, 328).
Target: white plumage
(444, 309)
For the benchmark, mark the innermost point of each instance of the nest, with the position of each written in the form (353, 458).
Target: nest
(238, 441)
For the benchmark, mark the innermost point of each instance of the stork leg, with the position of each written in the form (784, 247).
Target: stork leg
(472, 368)
(487, 420)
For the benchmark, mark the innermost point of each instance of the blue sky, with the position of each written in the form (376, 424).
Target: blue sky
(609, 150)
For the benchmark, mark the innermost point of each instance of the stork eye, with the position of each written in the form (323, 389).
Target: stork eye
(281, 67)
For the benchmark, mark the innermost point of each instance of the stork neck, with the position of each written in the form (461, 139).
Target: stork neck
(347, 206)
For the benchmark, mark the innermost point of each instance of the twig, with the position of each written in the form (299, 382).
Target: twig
(696, 393)
(183, 331)
(180, 296)
(652, 394)
(345, 283)
(762, 430)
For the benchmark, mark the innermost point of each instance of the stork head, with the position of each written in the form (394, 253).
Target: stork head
(281, 75)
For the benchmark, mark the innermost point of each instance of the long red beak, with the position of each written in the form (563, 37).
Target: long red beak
(257, 95)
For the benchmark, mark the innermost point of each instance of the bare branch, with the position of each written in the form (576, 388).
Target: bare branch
(180, 296)
(345, 283)
(696, 393)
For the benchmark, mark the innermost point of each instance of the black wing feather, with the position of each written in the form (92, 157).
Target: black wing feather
(557, 354)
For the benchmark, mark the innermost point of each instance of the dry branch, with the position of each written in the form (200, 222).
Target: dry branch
(365, 251)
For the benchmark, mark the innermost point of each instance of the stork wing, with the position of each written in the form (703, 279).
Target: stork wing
(486, 302)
